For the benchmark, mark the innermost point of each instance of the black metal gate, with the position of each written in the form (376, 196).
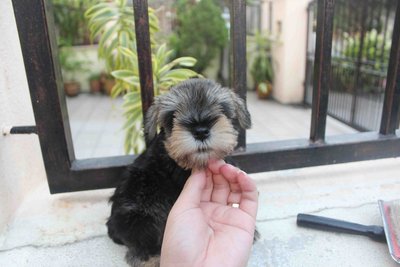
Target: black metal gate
(362, 34)
(65, 173)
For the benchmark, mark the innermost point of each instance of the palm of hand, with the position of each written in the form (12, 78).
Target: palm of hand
(209, 231)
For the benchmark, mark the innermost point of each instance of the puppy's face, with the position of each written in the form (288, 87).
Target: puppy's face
(200, 119)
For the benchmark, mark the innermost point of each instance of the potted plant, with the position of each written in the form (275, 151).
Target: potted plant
(70, 66)
(262, 73)
(262, 69)
(70, 21)
(107, 83)
(94, 83)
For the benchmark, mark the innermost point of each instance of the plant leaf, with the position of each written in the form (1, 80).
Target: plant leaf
(95, 8)
(178, 75)
(182, 61)
(185, 61)
(127, 76)
(108, 33)
(131, 97)
(122, 74)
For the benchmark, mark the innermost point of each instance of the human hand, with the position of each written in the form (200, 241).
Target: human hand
(203, 229)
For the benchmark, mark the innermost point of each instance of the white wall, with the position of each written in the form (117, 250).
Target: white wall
(21, 164)
(290, 49)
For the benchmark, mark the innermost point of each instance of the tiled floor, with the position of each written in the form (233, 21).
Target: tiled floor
(96, 124)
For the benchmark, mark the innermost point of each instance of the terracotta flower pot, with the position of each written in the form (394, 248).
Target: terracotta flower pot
(95, 86)
(264, 90)
(72, 88)
(108, 84)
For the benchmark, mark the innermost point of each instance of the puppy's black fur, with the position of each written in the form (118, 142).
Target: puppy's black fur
(143, 199)
(151, 185)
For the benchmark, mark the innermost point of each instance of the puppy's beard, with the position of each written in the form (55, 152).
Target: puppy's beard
(190, 153)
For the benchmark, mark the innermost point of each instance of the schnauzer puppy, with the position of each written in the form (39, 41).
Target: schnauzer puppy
(197, 120)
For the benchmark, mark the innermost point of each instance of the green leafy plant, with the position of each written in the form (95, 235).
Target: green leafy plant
(374, 59)
(70, 20)
(70, 65)
(113, 24)
(94, 76)
(165, 75)
(375, 47)
(201, 31)
(262, 69)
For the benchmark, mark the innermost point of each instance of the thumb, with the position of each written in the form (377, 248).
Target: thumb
(190, 196)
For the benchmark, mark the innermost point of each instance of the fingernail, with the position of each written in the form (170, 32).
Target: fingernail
(242, 172)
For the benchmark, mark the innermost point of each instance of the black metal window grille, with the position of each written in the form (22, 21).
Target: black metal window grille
(362, 34)
(65, 173)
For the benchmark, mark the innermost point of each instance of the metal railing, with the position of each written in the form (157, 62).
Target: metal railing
(362, 34)
(65, 173)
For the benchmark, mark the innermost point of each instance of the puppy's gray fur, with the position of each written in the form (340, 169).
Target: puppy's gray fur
(192, 104)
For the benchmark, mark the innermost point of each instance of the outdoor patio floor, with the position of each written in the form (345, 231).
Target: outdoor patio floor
(68, 229)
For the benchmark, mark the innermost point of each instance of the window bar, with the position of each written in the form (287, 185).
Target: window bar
(37, 38)
(369, 24)
(377, 18)
(143, 45)
(355, 14)
(387, 16)
(391, 104)
(307, 74)
(322, 69)
(359, 62)
(238, 43)
(344, 17)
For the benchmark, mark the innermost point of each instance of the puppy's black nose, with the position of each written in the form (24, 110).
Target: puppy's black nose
(201, 133)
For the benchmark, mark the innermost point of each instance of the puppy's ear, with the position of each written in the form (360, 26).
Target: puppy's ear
(151, 121)
(242, 113)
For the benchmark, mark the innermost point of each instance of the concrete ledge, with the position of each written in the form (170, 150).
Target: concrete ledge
(68, 229)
